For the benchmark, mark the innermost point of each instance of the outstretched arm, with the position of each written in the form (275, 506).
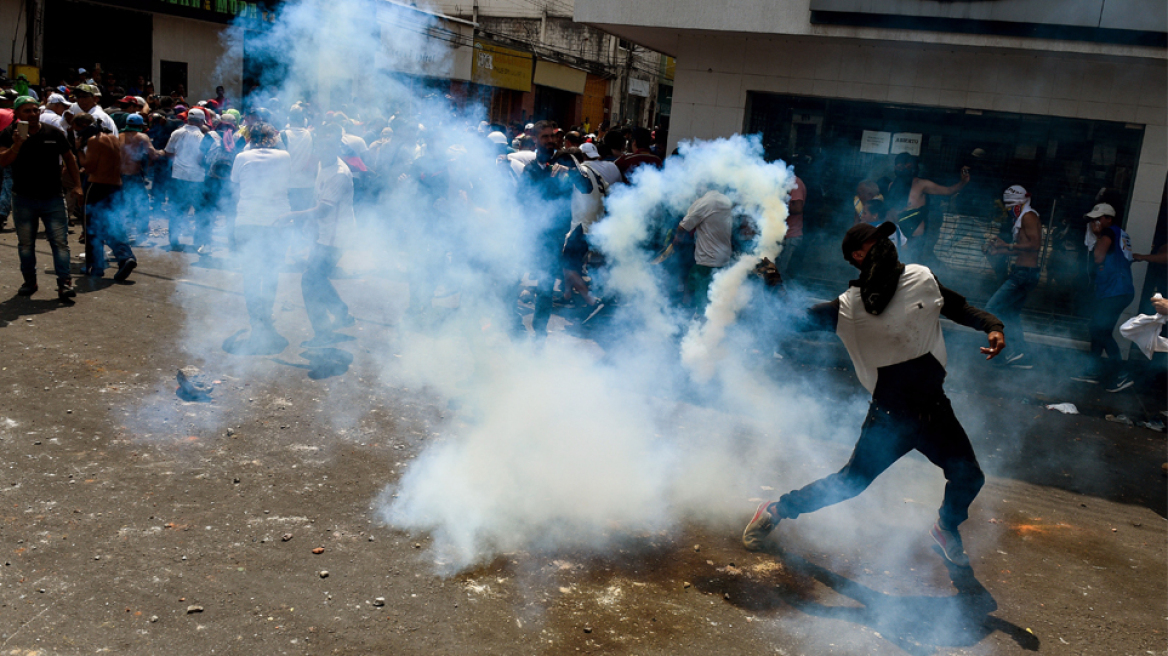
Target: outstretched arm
(959, 310)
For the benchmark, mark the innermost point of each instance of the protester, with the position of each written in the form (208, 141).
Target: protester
(710, 220)
(899, 356)
(137, 154)
(35, 153)
(101, 156)
(541, 180)
(1025, 245)
(641, 155)
(298, 142)
(908, 202)
(87, 103)
(188, 181)
(331, 215)
(1114, 291)
(794, 237)
(262, 173)
(53, 112)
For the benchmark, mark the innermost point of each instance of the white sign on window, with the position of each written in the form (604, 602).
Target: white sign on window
(875, 142)
(638, 87)
(906, 142)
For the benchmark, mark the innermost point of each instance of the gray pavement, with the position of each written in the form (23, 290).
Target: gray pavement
(134, 522)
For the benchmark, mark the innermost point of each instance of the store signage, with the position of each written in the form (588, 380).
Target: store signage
(906, 142)
(875, 142)
(638, 87)
(218, 11)
(502, 68)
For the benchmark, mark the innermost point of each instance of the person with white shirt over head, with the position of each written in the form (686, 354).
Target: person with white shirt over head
(188, 183)
(262, 173)
(87, 95)
(328, 220)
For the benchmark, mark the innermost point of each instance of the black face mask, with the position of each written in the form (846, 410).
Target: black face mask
(906, 173)
(879, 276)
(544, 155)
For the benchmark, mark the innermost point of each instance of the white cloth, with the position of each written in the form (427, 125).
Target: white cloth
(303, 162)
(357, 144)
(1018, 214)
(1124, 243)
(334, 188)
(520, 160)
(49, 117)
(186, 144)
(1144, 331)
(907, 329)
(98, 113)
(711, 217)
(262, 175)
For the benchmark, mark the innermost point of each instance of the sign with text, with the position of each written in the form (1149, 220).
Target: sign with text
(875, 142)
(906, 142)
(502, 68)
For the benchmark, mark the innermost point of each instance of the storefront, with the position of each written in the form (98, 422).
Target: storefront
(1063, 162)
(559, 92)
(503, 76)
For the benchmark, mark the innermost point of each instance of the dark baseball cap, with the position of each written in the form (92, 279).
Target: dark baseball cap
(862, 233)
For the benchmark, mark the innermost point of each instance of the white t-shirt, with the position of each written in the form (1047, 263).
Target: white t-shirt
(587, 208)
(711, 216)
(334, 187)
(98, 113)
(49, 117)
(303, 162)
(186, 144)
(520, 160)
(262, 175)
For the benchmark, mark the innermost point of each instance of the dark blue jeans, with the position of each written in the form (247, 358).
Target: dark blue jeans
(50, 211)
(320, 297)
(6, 194)
(106, 226)
(1102, 325)
(1006, 304)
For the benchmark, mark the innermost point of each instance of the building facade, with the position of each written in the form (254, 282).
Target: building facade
(1062, 97)
(576, 74)
(175, 43)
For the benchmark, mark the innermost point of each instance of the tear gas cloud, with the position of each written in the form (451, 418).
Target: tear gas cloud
(563, 445)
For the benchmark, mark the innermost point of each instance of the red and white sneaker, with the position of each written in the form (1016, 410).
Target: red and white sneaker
(760, 526)
(951, 547)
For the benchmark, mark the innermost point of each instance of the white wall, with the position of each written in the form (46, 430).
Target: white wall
(503, 8)
(198, 44)
(11, 26)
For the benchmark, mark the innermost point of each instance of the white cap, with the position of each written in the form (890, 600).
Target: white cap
(1102, 209)
(81, 71)
(56, 99)
(590, 150)
(483, 125)
(141, 101)
(196, 113)
(497, 137)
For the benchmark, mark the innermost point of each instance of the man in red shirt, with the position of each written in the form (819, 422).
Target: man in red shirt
(641, 155)
(7, 116)
(794, 237)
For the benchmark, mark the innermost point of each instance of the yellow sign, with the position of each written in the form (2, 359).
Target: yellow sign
(496, 66)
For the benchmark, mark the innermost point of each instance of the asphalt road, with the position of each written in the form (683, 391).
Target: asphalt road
(136, 522)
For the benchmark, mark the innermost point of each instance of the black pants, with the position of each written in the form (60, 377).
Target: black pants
(888, 434)
(320, 297)
(1103, 319)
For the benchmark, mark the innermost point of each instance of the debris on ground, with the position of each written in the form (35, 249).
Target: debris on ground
(318, 550)
(1120, 419)
(1065, 408)
(193, 384)
(194, 609)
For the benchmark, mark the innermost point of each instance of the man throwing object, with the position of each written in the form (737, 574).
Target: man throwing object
(890, 322)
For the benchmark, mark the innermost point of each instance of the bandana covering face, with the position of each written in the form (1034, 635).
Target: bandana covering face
(1017, 202)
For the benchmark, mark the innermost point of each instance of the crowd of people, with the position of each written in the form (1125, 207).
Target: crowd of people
(109, 158)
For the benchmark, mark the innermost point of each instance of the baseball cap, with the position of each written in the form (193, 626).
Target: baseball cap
(1102, 209)
(24, 100)
(128, 100)
(56, 99)
(135, 123)
(862, 233)
(197, 113)
(497, 137)
(141, 101)
(86, 89)
(590, 150)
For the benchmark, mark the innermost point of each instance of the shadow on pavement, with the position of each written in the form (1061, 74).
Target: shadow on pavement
(24, 306)
(322, 362)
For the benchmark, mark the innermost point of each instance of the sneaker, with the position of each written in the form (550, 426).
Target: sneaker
(1087, 378)
(1121, 383)
(950, 543)
(65, 290)
(760, 526)
(27, 289)
(125, 269)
